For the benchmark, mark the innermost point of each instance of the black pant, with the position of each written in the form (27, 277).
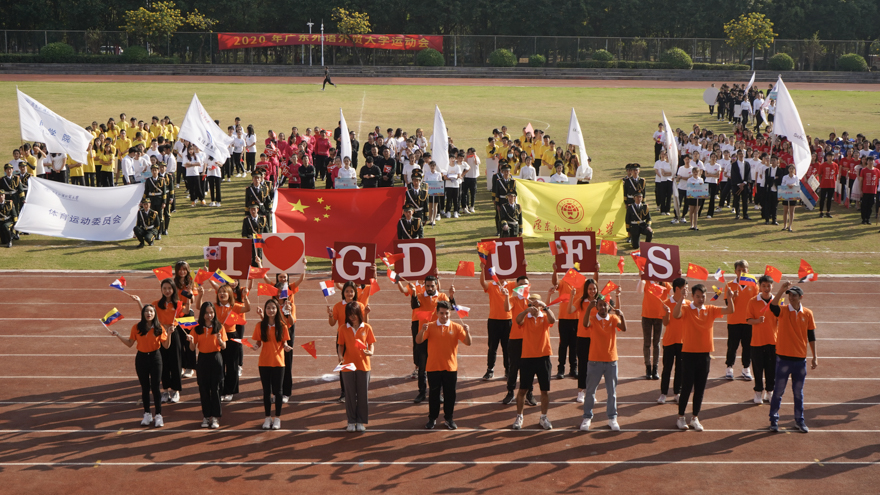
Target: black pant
(420, 358)
(468, 192)
(236, 163)
(327, 81)
(736, 334)
(188, 357)
(321, 166)
(226, 168)
(764, 367)
(671, 357)
(694, 377)
(105, 179)
(270, 378)
(250, 159)
(724, 199)
(210, 374)
(663, 193)
(194, 186)
(78, 181)
(145, 235)
(148, 366)
(287, 383)
(514, 353)
(567, 345)
(583, 353)
(181, 174)
(499, 333)
(826, 195)
(713, 190)
(231, 361)
(166, 214)
(768, 207)
(442, 381)
(636, 231)
(866, 203)
(452, 199)
(652, 328)
(171, 362)
(91, 179)
(741, 198)
(214, 183)
(758, 121)
(658, 147)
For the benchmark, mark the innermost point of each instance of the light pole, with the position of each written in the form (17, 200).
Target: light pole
(322, 43)
(310, 24)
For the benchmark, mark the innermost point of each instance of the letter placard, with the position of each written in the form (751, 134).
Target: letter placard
(235, 256)
(509, 258)
(419, 258)
(354, 263)
(663, 263)
(580, 247)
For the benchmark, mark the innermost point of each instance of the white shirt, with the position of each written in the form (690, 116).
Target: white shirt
(683, 174)
(422, 143)
(347, 173)
(658, 135)
(788, 180)
(408, 170)
(180, 148)
(193, 171)
(712, 169)
(758, 170)
(170, 164)
(528, 173)
(142, 168)
(559, 179)
(474, 167)
(251, 142)
(215, 168)
(57, 162)
(41, 165)
(128, 166)
(238, 145)
(756, 105)
(433, 176)
(663, 168)
(725, 169)
(152, 152)
(465, 168)
(453, 174)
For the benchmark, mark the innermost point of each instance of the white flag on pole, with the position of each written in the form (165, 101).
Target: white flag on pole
(199, 129)
(672, 156)
(344, 138)
(576, 137)
(40, 124)
(788, 123)
(440, 142)
(751, 82)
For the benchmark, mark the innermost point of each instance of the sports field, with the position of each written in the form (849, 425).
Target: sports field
(617, 124)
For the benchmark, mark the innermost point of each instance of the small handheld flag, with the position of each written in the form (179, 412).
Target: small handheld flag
(773, 273)
(266, 290)
(655, 290)
(462, 311)
(331, 254)
(717, 293)
(202, 276)
(243, 341)
(345, 367)
(234, 318)
(258, 241)
(284, 293)
(746, 279)
(391, 259)
(222, 277)
(491, 272)
(111, 317)
(211, 252)
(522, 291)
(360, 344)
(485, 249)
(638, 260)
(561, 298)
(310, 348)
(621, 264)
(609, 288)
(164, 272)
(574, 278)
(558, 247)
(327, 288)
(465, 269)
(256, 272)
(119, 283)
(187, 322)
(393, 276)
(806, 273)
(374, 286)
(697, 272)
(719, 275)
(608, 247)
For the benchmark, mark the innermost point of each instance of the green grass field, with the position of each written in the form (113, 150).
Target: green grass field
(617, 123)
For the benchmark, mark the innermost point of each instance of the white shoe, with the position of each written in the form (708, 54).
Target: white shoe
(213, 204)
(358, 427)
(175, 397)
(673, 222)
(148, 418)
(177, 186)
(676, 398)
(545, 423)
(681, 423)
(585, 424)
(350, 427)
(276, 424)
(518, 422)
(708, 216)
(766, 396)
(662, 399)
(285, 399)
(165, 397)
(194, 203)
(206, 422)
(729, 374)
(218, 204)
(747, 374)
(448, 215)
(188, 373)
(267, 423)
(225, 398)
(580, 397)
(215, 423)
(239, 371)
(615, 426)
(158, 422)
(455, 214)
(758, 398)
(695, 424)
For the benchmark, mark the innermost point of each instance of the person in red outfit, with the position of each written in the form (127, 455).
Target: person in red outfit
(827, 171)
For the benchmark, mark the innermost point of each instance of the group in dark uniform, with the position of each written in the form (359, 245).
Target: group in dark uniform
(8, 217)
(638, 220)
(260, 194)
(409, 227)
(147, 228)
(502, 185)
(510, 216)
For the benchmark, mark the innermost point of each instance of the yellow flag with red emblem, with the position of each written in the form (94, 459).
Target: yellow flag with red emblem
(548, 208)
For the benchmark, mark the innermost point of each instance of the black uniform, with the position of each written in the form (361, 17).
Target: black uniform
(374, 171)
(8, 217)
(500, 188)
(307, 176)
(771, 197)
(631, 186)
(168, 186)
(418, 199)
(11, 185)
(638, 219)
(409, 229)
(268, 198)
(511, 217)
(251, 226)
(389, 168)
(154, 190)
(147, 228)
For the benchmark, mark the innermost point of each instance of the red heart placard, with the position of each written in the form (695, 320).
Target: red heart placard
(283, 252)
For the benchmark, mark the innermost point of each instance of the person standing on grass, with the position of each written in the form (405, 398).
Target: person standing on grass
(763, 348)
(536, 321)
(673, 339)
(827, 172)
(519, 302)
(791, 182)
(209, 338)
(443, 337)
(355, 344)
(870, 177)
(694, 203)
(271, 339)
(603, 358)
(327, 79)
(149, 335)
(697, 344)
(739, 332)
(796, 330)
(499, 323)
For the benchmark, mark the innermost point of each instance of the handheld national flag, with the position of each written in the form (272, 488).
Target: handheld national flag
(638, 260)
(609, 288)
(234, 318)
(187, 322)
(211, 252)
(719, 275)
(522, 291)
(164, 272)
(111, 317)
(393, 276)
(805, 271)
(310, 348)
(244, 341)
(222, 277)
(811, 277)
(462, 311)
(655, 290)
(391, 259)
(374, 286)
(484, 249)
(202, 276)
(621, 264)
(558, 247)
(574, 278)
(284, 293)
(746, 279)
(360, 344)
(267, 290)
(178, 312)
(561, 298)
(119, 283)
(328, 288)
(491, 272)
(697, 272)
(608, 247)
(717, 293)
(258, 241)
(257, 272)
(331, 253)
(345, 367)
(465, 269)
(773, 273)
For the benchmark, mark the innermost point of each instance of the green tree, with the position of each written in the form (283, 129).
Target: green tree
(352, 23)
(751, 31)
(813, 49)
(153, 26)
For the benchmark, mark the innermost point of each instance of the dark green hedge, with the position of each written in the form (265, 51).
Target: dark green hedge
(624, 64)
(34, 58)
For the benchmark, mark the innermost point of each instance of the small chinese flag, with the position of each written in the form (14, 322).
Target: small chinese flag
(374, 286)
(202, 276)
(164, 272)
(574, 278)
(805, 270)
(465, 269)
(310, 348)
(267, 290)
(621, 264)
(773, 273)
(392, 259)
(235, 319)
(609, 288)
(697, 272)
(245, 342)
(561, 298)
(639, 261)
(257, 272)
(360, 344)
(655, 290)
(608, 247)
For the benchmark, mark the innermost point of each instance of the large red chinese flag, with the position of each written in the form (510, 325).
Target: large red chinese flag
(327, 216)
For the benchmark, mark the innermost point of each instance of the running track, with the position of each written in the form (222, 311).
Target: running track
(69, 418)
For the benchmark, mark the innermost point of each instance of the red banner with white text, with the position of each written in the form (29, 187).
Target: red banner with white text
(416, 42)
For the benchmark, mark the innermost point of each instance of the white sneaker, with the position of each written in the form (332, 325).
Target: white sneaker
(676, 398)
(206, 422)
(165, 397)
(358, 427)
(681, 423)
(708, 216)
(194, 203)
(188, 373)
(674, 220)
(455, 214)
(177, 186)
(213, 203)
(545, 422)
(581, 396)
(276, 424)
(758, 398)
(695, 424)
(215, 423)
(267, 423)
(448, 215)
(285, 399)
(585, 424)
(747, 374)
(239, 371)
(175, 397)
(661, 399)
(615, 426)
(226, 398)
(350, 427)
(766, 396)
(218, 204)
(729, 374)
(148, 418)
(518, 422)
(158, 422)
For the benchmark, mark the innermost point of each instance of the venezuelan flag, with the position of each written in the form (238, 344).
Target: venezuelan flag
(258, 241)
(186, 322)
(111, 317)
(222, 277)
(746, 279)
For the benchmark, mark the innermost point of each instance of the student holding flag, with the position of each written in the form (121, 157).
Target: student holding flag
(424, 305)
(149, 335)
(652, 328)
(230, 314)
(763, 345)
(286, 292)
(739, 332)
(588, 295)
(790, 181)
(603, 329)
(252, 227)
(536, 321)
(183, 281)
(673, 338)
(568, 318)
(354, 346)
(519, 302)
(337, 315)
(271, 339)
(499, 322)
(209, 338)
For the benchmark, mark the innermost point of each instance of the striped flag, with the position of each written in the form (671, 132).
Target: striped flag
(222, 277)
(187, 322)
(558, 247)
(258, 241)
(119, 283)
(328, 288)
(332, 254)
(462, 311)
(719, 275)
(111, 317)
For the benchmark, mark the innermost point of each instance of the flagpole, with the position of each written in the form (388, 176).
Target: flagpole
(105, 326)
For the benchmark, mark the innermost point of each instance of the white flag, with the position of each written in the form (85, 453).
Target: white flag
(440, 142)
(40, 124)
(788, 123)
(344, 138)
(751, 82)
(199, 129)
(79, 212)
(672, 156)
(576, 137)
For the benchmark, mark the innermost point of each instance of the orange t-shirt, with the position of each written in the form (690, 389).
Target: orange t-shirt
(652, 306)
(223, 313)
(496, 300)
(339, 314)
(583, 331)
(698, 327)
(272, 351)
(347, 337)
(364, 295)
(166, 316)
(675, 330)
(517, 305)
(427, 304)
(443, 346)
(206, 342)
(536, 336)
(762, 333)
(791, 339)
(741, 303)
(603, 342)
(291, 291)
(565, 288)
(149, 342)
